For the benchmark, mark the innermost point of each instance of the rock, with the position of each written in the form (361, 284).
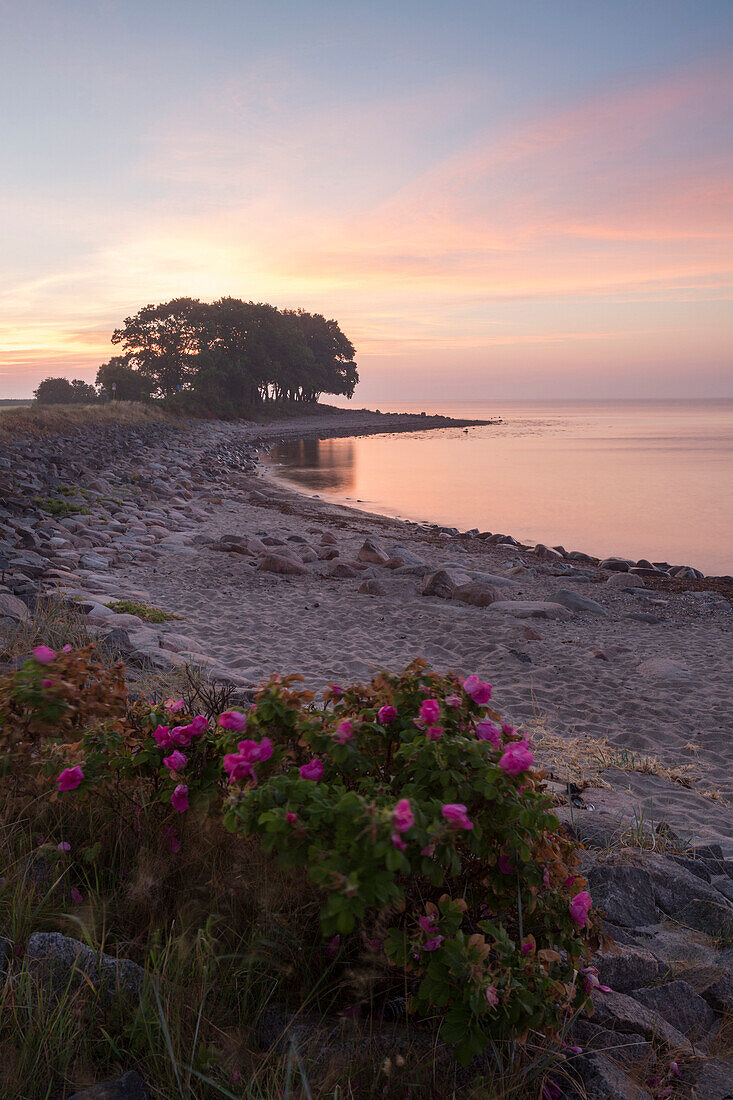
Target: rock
(625, 580)
(118, 642)
(663, 668)
(545, 553)
(624, 893)
(13, 608)
(444, 583)
(603, 1079)
(628, 968)
(709, 1080)
(328, 540)
(60, 960)
(575, 602)
(681, 1006)
(128, 1087)
(714, 984)
(277, 563)
(617, 565)
(341, 570)
(532, 609)
(643, 617)
(618, 1012)
(327, 553)
(408, 557)
(372, 588)
(710, 917)
(623, 1049)
(477, 594)
(372, 553)
(307, 555)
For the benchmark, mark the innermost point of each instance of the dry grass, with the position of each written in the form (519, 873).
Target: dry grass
(54, 623)
(43, 420)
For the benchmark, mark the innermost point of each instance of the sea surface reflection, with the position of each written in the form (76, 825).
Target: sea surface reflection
(637, 479)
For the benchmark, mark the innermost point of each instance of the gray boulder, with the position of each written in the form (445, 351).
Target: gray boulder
(625, 894)
(128, 1087)
(13, 608)
(681, 1006)
(574, 601)
(62, 961)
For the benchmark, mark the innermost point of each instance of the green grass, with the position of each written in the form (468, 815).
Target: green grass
(56, 507)
(147, 614)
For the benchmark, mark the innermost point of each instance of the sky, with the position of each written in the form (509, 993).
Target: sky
(517, 199)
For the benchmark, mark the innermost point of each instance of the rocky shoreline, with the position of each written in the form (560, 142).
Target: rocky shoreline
(626, 664)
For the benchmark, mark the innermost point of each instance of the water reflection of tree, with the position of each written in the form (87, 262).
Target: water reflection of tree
(318, 463)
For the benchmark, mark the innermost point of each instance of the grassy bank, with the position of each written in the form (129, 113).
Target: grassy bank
(34, 420)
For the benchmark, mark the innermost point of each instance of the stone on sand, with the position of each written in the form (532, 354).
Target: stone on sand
(278, 563)
(532, 609)
(575, 602)
(444, 583)
(626, 580)
(372, 553)
(664, 668)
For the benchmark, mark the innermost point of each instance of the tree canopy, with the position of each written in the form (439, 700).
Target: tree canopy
(231, 355)
(60, 391)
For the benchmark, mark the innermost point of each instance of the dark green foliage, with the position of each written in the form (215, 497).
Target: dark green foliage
(129, 384)
(230, 356)
(60, 391)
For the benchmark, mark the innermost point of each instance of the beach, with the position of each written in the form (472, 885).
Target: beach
(620, 681)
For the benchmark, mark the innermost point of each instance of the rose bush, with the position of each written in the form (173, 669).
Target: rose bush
(413, 809)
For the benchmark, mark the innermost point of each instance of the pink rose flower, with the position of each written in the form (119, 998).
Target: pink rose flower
(434, 944)
(517, 758)
(492, 997)
(333, 946)
(198, 726)
(76, 896)
(312, 771)
(385, 715)
(455, 814)
(430, 711)
(233, 720)
(398, 842)
(453, 700)
(176, 762)
(434, 733)
(43, 654)
(179, 798)
(46, 682)
(173, 706)
(428, 850)
(239, 765)
(66, 648)
(487, 731)
(478, 690)
(344, 732)
(580, 907)
(162, 736)
(428, 926)
(336, 690)
(64, 846)
(70, 779)
(291, 818)
(505, 866)
(402, 816)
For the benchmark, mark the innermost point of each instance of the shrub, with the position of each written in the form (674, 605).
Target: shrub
(415, 813)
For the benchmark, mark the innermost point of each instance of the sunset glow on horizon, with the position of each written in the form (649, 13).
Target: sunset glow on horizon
(525, 200)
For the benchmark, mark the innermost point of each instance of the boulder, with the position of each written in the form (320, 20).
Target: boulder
(444, 583)
(546, 553)
(714, 984)
(575, 602)
(628, 968)
(477, 594)
(61, 961)
(532, 609)
(708, 1080)
(617, 565)
(278, 563)
(13, 608)
(712, 918)
(625, 1014)
(603, 1079)
(372, 553)
(342, 571)
(625, 894)
(680, 1005)
(372, 588)
(128, 1087)
(626, 580)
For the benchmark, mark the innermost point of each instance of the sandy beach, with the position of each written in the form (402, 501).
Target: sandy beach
(621, 685)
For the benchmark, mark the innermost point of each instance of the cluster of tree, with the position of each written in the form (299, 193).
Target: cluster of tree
(232, 354)
(60, 391)
(223, 357)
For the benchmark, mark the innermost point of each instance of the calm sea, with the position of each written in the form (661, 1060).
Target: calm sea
(637, 479)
